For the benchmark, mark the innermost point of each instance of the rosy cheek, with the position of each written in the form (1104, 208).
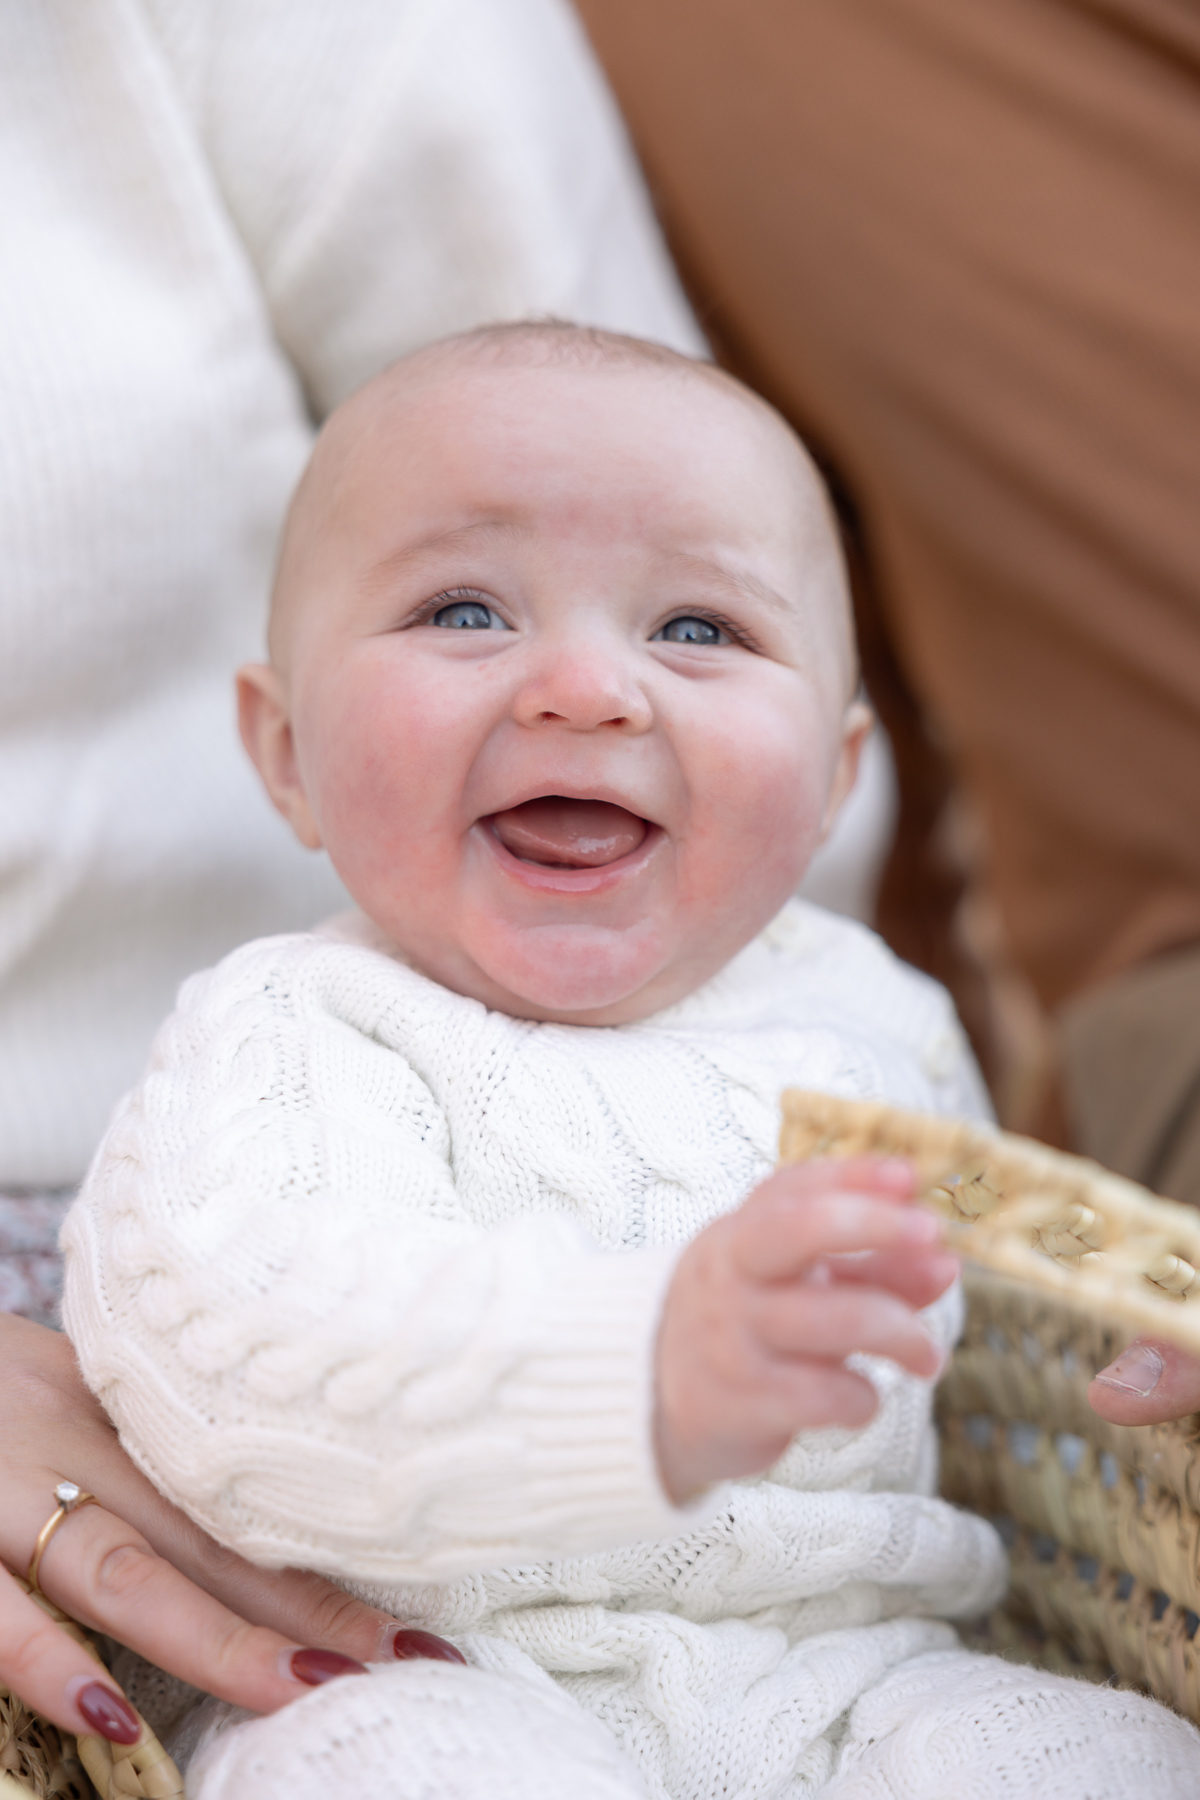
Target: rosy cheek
(383, 765)
(761, 810)
(769, 784)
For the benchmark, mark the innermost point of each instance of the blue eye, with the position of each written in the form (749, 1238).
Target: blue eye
(691, 631)
(468, 615)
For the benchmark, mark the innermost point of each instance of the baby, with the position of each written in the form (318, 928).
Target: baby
(439, 1248)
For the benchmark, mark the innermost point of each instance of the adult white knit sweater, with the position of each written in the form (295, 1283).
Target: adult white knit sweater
(369, 1276)
(219, 217)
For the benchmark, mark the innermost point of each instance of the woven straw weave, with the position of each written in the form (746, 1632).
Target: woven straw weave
(1102, 1521)
(1057, 1223)
(36, 1758)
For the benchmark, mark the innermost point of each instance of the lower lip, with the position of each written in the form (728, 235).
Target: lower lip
(547, 878)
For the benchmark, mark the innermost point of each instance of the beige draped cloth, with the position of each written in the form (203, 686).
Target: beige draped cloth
(960, 247)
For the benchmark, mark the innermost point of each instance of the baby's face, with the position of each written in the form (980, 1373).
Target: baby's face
(560, 678)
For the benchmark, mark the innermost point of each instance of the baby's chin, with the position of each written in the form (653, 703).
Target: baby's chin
(573, 974)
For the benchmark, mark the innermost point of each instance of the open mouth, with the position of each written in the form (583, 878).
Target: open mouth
(557, 833)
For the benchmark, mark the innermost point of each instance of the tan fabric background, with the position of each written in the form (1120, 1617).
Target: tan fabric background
(960, 245)
(1133, 1073)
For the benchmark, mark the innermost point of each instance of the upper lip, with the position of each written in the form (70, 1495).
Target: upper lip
(611, 796)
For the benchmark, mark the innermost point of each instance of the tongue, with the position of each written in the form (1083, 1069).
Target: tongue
(571, 834)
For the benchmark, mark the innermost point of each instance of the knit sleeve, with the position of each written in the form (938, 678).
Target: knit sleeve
(274, 1289)
(402, 169)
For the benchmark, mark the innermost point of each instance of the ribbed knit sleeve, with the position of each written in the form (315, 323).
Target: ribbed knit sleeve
(304, 1336)
(402, 169)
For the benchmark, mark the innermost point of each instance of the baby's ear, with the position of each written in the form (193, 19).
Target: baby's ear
(857, 726)
(266, 729)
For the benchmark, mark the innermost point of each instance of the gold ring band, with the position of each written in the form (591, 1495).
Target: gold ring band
(70, 1498)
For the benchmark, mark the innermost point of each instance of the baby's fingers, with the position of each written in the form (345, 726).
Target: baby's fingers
(917, 1277)
(833, 1322)
(784, 1226)
(804, 1394)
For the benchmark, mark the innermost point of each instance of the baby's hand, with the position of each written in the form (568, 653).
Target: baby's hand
(823, 1259)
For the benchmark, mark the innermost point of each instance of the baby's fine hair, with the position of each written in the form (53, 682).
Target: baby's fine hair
(556, 341)
(559, 343)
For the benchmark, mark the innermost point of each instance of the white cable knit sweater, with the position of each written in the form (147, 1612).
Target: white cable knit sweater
(368, 1277)
(219, 217)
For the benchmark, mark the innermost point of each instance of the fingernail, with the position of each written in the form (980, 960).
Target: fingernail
(315, 1667)
(409, 1643)
(106, 1711)
(1136, 1371)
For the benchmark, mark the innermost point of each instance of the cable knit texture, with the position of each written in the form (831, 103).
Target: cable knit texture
(420, 1730)
(943, 1725)
(368, 1277)
(221, 216)
(950, 1726)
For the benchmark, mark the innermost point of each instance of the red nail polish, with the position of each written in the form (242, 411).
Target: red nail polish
(409, 1643)
(315, 1667)
(109, 1713)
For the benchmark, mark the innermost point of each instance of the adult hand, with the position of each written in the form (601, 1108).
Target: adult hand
(136, 1568)
(824, 1259)
(1147, 1384)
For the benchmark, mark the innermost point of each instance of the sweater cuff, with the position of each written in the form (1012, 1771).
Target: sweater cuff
(584, 1406)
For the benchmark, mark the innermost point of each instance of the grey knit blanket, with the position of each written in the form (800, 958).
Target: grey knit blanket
(30, 1265)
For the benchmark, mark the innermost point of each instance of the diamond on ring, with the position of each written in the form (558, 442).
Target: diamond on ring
(70, 1497)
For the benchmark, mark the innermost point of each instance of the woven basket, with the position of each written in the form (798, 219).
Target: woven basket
(1102, 1521)
(36, 1758)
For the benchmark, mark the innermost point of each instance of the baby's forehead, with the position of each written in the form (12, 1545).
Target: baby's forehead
(446, 379)
(471, 414)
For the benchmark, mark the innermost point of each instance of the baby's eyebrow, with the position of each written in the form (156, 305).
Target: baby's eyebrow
(455, 537)
(742, 580)
(482, 532)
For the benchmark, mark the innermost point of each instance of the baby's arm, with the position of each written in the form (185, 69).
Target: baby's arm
(308, 1338)
(822, 1260)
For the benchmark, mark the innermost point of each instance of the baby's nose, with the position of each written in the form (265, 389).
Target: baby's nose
(584, 690)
